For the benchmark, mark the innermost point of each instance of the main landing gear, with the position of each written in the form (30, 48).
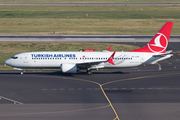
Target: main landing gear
(89, 72)
(22, 72)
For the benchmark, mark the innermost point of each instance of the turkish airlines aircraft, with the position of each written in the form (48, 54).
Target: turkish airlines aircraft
(72, 62)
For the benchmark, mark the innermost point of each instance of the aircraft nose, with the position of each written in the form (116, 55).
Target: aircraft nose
(7, 62)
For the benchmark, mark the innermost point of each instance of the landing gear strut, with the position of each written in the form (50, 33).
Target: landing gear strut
(21, 72)
(89, 72)
(159, 66)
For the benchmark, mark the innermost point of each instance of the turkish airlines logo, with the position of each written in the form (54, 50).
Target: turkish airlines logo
(159, 43)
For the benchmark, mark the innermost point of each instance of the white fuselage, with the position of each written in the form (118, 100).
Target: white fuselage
(81, 59)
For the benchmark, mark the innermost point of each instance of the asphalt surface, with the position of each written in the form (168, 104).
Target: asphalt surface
(141, 93)
(138, 93)
(82, 38)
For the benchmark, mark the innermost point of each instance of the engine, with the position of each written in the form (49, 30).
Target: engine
(68, 68)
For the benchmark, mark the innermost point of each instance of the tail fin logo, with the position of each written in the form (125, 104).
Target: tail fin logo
(159, 43)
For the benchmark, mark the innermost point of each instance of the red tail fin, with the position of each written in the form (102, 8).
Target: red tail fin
(159, 42)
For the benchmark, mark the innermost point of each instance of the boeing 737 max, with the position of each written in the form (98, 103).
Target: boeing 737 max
(72, 62)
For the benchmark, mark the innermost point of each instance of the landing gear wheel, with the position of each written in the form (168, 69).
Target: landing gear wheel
(89, 72)
(21, 72)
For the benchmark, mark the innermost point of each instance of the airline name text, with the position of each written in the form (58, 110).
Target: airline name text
(53, 55)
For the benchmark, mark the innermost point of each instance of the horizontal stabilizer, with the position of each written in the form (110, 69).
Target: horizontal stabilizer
(163, 54)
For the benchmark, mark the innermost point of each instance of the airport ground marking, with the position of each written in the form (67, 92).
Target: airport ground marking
(136, 78)
(123, 88)
(79, 89)
(14, 101)
(112, 89)
(132, 88)
(117, 117)
(53, 89)
(106, 88)
(96, 108)
(162, 75)
(100, 85)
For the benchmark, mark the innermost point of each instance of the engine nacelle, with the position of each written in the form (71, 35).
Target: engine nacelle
(68, 68)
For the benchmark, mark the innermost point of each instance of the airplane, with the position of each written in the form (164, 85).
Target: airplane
(72, 62)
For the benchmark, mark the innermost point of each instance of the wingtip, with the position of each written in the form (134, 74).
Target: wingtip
(109, 49)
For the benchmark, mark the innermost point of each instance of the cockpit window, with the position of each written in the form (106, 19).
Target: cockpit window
(14, 57)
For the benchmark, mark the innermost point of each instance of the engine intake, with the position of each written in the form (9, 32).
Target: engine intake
(68, 68)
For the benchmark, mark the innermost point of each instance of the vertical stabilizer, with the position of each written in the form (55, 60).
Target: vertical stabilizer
(159, 42)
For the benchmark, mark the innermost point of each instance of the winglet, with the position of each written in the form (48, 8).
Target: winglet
(110, 60)
(109, 49)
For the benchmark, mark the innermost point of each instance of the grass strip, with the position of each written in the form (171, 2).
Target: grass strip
(94, 12)
(100, 20)
(89, 1)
